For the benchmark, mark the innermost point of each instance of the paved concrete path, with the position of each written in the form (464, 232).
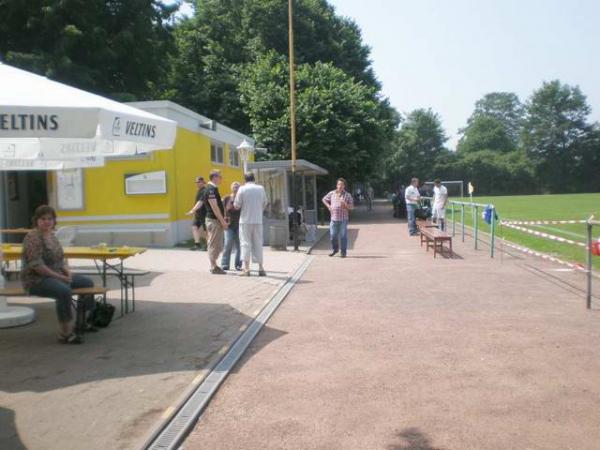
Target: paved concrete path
(391, 349)
(111, 391)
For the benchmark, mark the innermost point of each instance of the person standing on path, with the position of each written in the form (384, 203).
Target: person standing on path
(370, 197)
(251, 200)
(339, 203)
(199, 213)
(215, 222)
(232, 237)
(440, 199)
(412, 197)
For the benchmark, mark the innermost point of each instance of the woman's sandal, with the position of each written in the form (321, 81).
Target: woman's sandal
(70, 339)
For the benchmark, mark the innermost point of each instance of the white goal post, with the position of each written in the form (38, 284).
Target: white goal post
(457, 186)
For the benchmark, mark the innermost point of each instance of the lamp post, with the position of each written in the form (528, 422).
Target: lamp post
(293, 120)
(245, 148)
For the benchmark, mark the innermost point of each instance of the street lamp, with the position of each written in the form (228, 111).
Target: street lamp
(245, 148)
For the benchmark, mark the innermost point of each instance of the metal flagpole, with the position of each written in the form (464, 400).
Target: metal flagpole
(293, 120)
(589, 266)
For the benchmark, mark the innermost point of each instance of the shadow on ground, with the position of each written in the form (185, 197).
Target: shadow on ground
(9, 437)
(130, 372)
(412, 439)
(33, 362)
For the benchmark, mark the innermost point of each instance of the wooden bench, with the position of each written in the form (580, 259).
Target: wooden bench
(20, 292)
(127, 280)
(422, 223)
(434, 237)
(80, 311)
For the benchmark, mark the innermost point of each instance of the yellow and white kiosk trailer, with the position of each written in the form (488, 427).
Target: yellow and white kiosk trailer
(142, 200)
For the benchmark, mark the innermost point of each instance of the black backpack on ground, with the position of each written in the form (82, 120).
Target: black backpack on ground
(103, 314)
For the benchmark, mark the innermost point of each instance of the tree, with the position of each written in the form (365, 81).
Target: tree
(506, 108)
(419, 143)
(339, 123)
(555, 133)
(586, 168)
(111, 47)
(485, 133)
(495, 173)
(224, 36)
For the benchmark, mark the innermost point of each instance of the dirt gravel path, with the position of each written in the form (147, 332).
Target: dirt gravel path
(391, 349)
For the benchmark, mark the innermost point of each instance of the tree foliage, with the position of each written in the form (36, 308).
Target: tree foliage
(419, 143)
(111, 47)
(546, 145)
(224, 36)
(485, 133)
(506, 108)
(556, 134)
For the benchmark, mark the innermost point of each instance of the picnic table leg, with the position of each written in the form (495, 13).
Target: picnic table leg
(435, 249)
(132, 293)
(79, 316)
(126, 287)
(120, 276)
(104, 280)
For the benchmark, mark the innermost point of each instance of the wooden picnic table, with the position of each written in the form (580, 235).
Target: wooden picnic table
(13, 252)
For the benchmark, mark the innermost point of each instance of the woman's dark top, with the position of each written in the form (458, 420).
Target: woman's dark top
(231, 213)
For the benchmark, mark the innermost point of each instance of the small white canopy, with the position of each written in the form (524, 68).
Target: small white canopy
(41, 118)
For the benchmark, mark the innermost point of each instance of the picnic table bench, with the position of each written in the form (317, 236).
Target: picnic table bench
(106, 255)
(126, 277)
(434, 237)
(80, 315)
(422, 223)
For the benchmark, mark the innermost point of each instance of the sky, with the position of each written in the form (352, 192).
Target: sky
(445, 55)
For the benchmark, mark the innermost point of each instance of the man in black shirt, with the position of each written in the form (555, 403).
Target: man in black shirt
(215, 220)
(199, 213)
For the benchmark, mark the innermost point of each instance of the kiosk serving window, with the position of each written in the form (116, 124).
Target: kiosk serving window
(146, 183)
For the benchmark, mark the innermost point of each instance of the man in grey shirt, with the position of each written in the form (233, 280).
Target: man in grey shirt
(251, 199)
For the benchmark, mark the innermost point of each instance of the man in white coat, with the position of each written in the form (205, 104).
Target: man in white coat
(251, 199)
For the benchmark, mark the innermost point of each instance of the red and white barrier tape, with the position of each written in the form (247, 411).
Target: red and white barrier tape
(542, 222)
(550, 258)
(546, 235)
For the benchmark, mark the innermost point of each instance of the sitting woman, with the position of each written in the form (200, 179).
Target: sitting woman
(45, 273)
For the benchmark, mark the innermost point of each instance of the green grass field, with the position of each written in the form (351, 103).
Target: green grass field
(545, 207)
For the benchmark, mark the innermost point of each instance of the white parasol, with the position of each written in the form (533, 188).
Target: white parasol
(41, 118)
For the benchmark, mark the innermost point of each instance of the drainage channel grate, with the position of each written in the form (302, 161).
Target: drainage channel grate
(177, 429)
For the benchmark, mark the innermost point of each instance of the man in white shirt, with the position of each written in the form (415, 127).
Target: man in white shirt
(370, 197)
(412, 197)
(251, 199)
(440, 199)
